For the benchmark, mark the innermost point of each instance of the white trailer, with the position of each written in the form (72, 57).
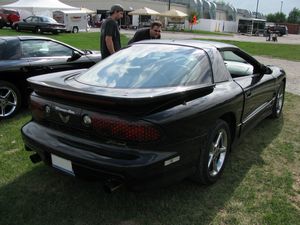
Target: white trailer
(75, 20)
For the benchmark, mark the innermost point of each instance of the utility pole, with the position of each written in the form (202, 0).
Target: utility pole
(169, 5)
(281, 7)
(256, 8)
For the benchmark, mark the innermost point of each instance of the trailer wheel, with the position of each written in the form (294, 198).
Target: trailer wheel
(75, 30)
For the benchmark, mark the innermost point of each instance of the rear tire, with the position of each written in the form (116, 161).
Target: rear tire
(279, 100)
(214, 154)
(38, 30)
(10, 99)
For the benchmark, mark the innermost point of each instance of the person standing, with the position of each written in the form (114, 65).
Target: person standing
(147, 33)
(110, 41)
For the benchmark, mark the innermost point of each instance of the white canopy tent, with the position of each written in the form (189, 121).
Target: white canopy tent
(174, 13)
(144, 11)
(136, 19)
(38, 7)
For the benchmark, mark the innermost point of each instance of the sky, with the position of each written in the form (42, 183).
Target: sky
(266, 6)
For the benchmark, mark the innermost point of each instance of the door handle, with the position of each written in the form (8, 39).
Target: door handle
(248, 94)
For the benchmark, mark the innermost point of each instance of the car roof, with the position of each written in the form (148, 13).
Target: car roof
(190, 43)
(24, 37)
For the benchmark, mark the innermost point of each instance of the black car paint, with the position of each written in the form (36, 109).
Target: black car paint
(241, 102)
(15, 68)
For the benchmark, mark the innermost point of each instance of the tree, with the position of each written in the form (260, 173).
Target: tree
(294, 16)
(276, 18)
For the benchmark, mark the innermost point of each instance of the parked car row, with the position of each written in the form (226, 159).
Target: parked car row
(25, 56)
(71, 21)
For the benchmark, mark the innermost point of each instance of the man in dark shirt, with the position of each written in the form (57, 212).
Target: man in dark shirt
(147, 33)
(110, 35)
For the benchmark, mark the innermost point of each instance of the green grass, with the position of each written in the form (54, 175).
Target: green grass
(260, 185)
(202, 32)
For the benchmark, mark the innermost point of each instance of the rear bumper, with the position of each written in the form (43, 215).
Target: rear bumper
(136, 168)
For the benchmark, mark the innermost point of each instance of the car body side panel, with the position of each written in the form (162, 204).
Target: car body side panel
(227, 98)
(259, 95)
(42, 65)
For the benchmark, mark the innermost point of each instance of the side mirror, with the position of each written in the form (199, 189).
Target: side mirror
(75, 56)
(265, 70)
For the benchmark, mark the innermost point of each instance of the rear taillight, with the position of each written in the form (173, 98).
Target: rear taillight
(38, 108)
(137, 131)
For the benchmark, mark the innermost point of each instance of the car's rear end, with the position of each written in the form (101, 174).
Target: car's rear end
(54, 28)
(49, 24)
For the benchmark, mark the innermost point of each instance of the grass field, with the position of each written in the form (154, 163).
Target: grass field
(260, 185)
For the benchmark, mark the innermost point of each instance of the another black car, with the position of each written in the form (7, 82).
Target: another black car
(25, 56)
(40, 24)
(157, 111)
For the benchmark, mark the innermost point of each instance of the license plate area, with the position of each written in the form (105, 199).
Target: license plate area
(62, 164)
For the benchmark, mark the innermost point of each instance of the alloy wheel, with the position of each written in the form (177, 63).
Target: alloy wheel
(8, 101)
(279, 100)
(217, 153)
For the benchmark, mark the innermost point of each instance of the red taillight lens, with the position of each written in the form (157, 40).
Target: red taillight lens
(37, 108)
(139, 131)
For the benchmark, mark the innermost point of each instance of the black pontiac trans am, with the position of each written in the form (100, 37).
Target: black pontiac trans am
(155, 112)
(25, 56)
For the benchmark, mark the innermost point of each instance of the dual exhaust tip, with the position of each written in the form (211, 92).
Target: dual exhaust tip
(110, 185)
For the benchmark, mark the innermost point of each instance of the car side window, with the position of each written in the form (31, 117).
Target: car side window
(35, 19)
(28, 19)
(44, 48)
(236, 65)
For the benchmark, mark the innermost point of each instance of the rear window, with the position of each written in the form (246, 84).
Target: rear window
(151, 66)
(10, 49)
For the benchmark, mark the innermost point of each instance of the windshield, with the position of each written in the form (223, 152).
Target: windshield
(151, 66)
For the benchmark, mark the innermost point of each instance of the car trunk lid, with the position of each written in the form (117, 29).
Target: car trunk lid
(129, 101)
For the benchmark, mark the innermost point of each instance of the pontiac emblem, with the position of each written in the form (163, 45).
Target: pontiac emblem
(61, 112)
(63, 118)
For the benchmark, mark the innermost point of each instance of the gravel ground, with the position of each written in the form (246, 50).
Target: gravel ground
(292, 68)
